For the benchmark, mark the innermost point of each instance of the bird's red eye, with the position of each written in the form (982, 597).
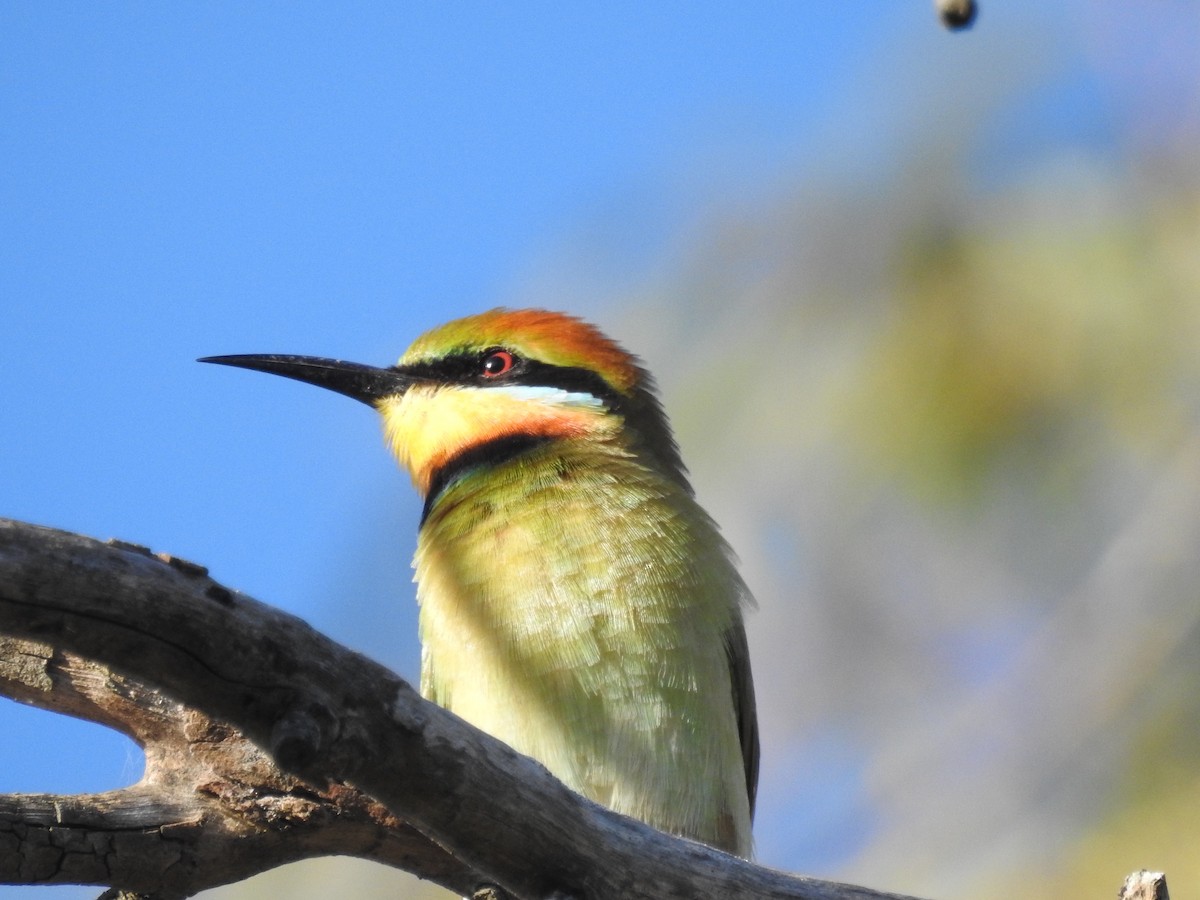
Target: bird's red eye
(497, 363)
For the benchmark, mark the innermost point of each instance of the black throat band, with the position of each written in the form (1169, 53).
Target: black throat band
(489, 453)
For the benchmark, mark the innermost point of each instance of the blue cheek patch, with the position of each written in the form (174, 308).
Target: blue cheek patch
(551, 396)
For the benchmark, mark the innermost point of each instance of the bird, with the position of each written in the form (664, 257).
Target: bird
(575, 600)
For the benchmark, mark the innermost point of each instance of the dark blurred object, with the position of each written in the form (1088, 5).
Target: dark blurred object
(956, 14)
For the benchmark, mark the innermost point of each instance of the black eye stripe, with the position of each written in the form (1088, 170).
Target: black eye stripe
(467, 369)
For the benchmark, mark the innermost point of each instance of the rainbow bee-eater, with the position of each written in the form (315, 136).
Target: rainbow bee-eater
(575, 600)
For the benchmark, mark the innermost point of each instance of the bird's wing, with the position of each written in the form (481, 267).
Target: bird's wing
(743, 704)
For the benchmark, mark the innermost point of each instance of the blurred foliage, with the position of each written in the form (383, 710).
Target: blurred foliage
(1152, 813)
(953, 434)
(1064, 321)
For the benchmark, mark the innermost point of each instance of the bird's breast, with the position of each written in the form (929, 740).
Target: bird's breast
(576, 608)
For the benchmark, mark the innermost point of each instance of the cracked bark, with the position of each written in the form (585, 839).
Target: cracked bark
(211, 807)
(266, 743)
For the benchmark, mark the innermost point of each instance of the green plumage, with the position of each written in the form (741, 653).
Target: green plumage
(579, 605)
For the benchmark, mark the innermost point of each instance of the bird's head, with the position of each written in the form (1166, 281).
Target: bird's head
(492, 385)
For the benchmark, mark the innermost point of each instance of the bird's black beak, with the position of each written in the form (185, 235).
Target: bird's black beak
(367, 384)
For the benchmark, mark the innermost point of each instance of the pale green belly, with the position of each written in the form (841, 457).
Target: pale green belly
(590, 637)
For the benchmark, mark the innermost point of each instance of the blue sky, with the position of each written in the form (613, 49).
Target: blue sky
(179, 181)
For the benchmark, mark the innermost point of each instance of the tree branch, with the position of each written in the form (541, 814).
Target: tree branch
(213, 807)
